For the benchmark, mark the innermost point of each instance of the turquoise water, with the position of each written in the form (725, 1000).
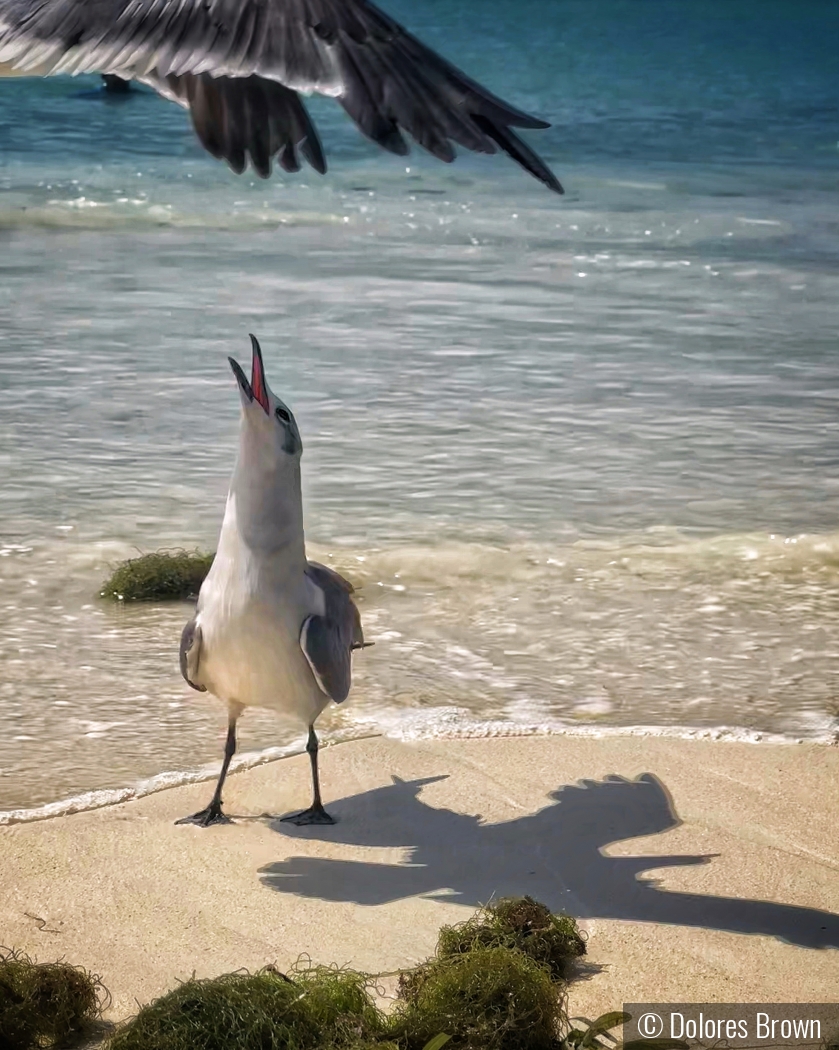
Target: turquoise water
(581, 454)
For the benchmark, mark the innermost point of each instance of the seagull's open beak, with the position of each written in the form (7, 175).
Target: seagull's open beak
(256, 390)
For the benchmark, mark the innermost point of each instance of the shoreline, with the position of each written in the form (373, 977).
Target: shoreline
(699, 872)
(88, 801)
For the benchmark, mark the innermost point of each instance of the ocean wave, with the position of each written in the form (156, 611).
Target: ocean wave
(659, 553)
(440, 724)
(471, 638)
(99, 799)
(460, 724)
(140, 214)
(88, 800)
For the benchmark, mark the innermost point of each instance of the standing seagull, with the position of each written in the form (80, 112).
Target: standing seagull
(272, 629)
(237, 65)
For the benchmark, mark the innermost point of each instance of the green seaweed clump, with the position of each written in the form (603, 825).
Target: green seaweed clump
(485, 999)
(339, 1005)
(366, 1044)
(159, 576)
(320, 1007)
(553, 941)
(45, 1004)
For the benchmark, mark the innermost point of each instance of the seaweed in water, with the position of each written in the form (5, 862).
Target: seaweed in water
(160, 576)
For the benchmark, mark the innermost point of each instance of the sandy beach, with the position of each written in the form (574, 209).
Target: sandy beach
(701, 870)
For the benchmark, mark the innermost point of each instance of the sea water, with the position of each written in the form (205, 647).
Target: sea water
(579, 455)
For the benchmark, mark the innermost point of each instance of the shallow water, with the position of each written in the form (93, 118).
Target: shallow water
(579, 454)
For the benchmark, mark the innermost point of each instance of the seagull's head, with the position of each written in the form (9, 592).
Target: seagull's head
(267, 422)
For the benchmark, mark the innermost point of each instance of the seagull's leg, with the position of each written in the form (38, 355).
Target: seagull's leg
(213, 814)
(315, 814)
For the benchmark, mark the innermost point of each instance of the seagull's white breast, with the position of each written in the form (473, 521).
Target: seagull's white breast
(250, 617)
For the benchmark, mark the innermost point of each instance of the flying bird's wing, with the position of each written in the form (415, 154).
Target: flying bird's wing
(215, 56)
(328, 641)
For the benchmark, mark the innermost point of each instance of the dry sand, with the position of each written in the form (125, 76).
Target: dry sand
(701, 870)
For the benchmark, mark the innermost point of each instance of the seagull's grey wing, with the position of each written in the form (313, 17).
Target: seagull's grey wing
(328, 641)
(385, 79)
(191, 654)
(328, 578)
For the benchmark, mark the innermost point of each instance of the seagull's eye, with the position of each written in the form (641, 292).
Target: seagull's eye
(283, 416)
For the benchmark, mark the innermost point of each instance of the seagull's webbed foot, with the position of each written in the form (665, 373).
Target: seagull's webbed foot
(207, 817)
(313, 815)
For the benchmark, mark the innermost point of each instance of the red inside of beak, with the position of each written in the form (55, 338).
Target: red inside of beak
(258, 378)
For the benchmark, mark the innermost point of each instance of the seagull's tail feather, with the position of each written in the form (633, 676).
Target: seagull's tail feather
(247, 118)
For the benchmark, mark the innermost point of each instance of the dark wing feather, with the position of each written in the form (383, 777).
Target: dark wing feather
(520, 152)
(385, 79)
(241, 118)
(191, 654)
(328, 641)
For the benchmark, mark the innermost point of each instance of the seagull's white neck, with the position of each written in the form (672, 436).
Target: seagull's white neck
(264, 510)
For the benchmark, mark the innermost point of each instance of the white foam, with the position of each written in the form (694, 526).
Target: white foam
(174, 778)
(454, 723)
(759, 222)
(446, 723)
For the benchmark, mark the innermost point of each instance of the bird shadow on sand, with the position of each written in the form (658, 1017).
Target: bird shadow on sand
(555, 854)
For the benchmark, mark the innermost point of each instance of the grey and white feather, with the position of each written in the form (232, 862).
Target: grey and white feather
(271, 629)
(237, 65)
(329, 640)
(190, 654)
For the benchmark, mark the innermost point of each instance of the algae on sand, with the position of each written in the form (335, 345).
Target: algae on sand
(523, 923)
(485, 999)
(45, 1004)
(496, 983)
(316, 1007)
(164, 575)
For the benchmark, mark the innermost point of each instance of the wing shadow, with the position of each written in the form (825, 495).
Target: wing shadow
(555, 854)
